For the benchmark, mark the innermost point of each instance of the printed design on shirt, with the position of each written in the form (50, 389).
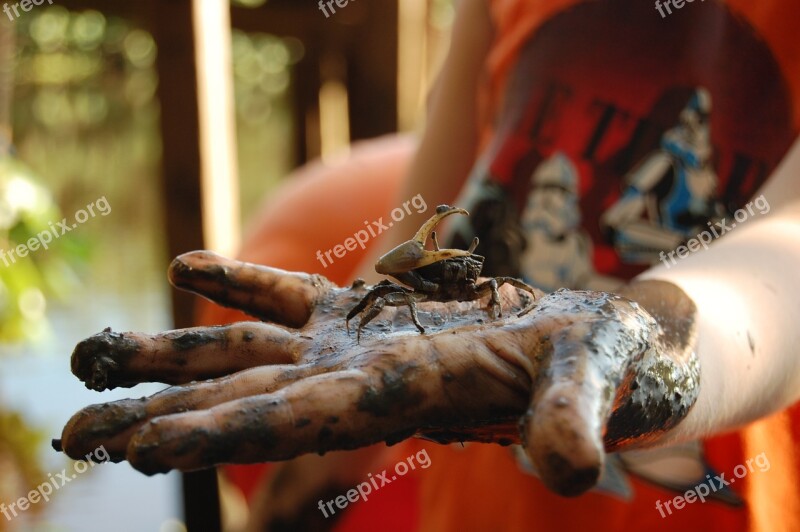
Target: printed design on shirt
(617, 141)
(558, 251)
(672, 194)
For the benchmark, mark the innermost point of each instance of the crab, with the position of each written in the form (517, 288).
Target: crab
(439, 275)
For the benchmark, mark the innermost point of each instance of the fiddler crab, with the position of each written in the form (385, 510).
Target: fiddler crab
(440, 275)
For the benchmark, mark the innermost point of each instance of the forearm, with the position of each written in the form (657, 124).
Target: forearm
(747, 327)
(746, 291)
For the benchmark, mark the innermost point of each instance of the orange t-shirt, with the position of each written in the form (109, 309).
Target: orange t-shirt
(583, 99)
(613, 132)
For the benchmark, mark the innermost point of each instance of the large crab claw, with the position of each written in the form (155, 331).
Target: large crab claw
(412, 254)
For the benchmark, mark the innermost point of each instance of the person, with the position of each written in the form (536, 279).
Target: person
(710, 381)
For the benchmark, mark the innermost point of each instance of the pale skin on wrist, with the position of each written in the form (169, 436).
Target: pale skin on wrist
(746, 291)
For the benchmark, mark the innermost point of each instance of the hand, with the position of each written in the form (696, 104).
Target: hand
(583, 373)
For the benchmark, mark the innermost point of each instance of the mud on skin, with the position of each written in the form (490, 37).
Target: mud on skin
(191, 338)
(102, 424)
(96, 359)
(394, 394)
(231, 284)
(661, 388)
(627, 357)
(479, 374)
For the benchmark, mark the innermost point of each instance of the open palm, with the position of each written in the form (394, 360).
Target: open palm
(583, 373)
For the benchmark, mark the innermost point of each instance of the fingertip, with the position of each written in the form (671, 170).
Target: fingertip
(183, 266)
(96, 360)
(178, 270)
(108, 425)
(199, 256)
(563, 477)
(564, 444)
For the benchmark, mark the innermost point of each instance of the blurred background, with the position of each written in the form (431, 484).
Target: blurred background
(184, 115)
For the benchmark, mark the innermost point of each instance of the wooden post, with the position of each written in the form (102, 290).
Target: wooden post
(181, 180)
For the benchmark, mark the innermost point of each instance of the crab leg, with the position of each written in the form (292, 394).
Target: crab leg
(392, 295)
(492, 285)
(374, 310)
(399, 298)
(381, 289)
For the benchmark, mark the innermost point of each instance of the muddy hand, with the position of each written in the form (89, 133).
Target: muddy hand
(583, 373)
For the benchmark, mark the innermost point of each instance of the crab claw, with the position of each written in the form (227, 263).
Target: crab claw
(442, 212)
(412, 254)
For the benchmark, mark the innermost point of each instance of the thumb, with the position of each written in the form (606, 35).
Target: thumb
(592, 350)
(562, 428)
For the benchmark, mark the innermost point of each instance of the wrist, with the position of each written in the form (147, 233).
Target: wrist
(662, 386)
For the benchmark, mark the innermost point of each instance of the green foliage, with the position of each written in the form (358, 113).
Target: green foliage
(29, 276)
(85, 119)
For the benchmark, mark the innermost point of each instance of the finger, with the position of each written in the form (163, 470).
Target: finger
(387, 398)
(267, 293)
(564, 426)
(254, 429)
(112, 424)
(108, 360)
